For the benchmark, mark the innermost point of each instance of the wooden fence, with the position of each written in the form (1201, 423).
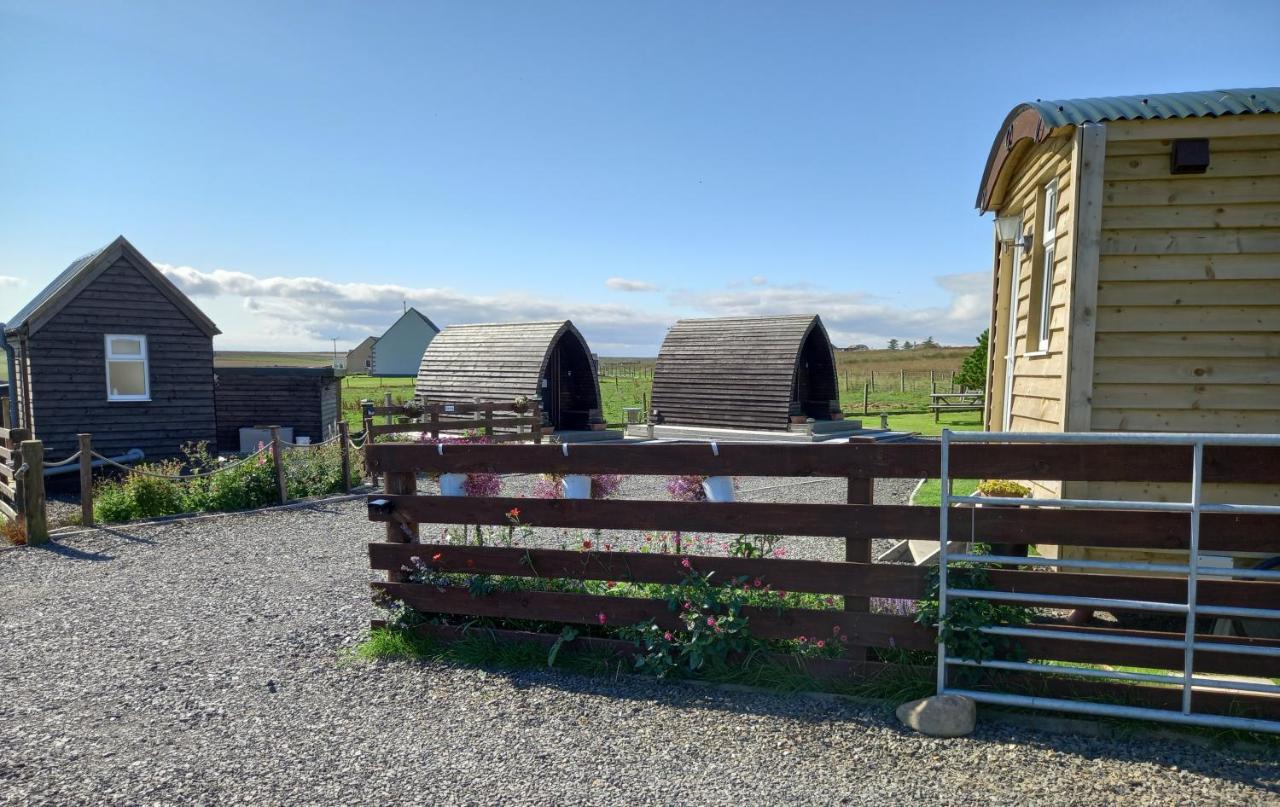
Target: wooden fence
(22, 483)
(497, 421)
(856, 523)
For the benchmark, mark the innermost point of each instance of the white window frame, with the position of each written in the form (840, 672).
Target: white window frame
(144, 359)
(1049, 242)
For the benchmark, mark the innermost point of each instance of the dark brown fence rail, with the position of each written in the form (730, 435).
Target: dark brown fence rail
(497, 421)
(856, 523)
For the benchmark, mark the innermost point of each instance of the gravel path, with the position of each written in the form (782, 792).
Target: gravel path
(202, 662)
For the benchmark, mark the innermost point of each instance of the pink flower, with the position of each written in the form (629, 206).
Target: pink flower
(603, 619)
(687, 605)
(801, 639)
(668, 636)
(835, 630)
(822, 643)
(782, 593)
(830, 600)
(685, 563)
(759, 582)
(586, 544)
(711, 622)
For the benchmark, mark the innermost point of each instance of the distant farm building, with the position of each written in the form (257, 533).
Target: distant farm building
(745, 372)
(544, 361)
(113, 348)
(1137, 282)
(399, 350)
(360, 357)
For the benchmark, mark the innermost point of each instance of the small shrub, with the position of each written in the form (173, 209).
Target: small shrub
(1003, 488)
(13, 531)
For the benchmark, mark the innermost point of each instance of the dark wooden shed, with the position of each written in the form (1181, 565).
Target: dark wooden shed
(305, 399)
(113, 348)
(745, 372)
(546, 361)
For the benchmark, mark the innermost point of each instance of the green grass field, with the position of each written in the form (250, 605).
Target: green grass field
(265, 358)
(358, 387)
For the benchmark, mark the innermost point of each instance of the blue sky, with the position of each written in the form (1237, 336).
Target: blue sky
(302, 168)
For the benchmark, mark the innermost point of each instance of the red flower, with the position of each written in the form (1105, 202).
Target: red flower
(685, 563)
(513, 513)
(586, 544)
(437, 556)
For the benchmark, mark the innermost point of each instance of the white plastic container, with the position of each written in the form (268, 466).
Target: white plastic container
(451, 484)
(577, 487)
(718, 488)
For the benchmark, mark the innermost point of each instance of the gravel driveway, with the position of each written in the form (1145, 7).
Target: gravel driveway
(202, 662)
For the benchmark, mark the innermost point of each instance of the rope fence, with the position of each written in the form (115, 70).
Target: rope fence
(179, 477)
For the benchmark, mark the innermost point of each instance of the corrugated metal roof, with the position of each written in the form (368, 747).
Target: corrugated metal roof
(56, 285)
(1199, 104)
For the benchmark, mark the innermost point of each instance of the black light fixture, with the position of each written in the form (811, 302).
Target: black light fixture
(1190, 156)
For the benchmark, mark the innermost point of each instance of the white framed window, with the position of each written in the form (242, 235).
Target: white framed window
(1049, 240)
(128, 373)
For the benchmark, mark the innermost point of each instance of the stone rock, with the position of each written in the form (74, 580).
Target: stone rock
(940, 715)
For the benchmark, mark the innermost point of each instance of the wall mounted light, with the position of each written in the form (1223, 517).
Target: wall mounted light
(1009, 232)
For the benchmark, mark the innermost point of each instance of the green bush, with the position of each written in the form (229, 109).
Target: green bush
(244, 486)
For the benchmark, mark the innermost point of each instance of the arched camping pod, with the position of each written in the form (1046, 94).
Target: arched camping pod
(545, 361)
(745, 372)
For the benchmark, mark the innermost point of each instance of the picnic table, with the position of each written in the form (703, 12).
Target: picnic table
(940, 402)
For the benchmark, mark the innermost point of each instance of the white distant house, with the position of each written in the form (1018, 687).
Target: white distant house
(399, 350)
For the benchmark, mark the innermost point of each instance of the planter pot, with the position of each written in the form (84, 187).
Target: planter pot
(718, 488)
(451, 484)
(577, 487)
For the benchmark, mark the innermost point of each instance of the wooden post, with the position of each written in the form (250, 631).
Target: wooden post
(277, 456)
(902, 380)
(33, 493)
(861, 490)
(344, 440)
(933, 384)
(86, 479)
(866, 392)
(16, 437)
(537, 423)
(435, 422)
(488, 420)
(4, 412)
(386, 401)
(400, 483)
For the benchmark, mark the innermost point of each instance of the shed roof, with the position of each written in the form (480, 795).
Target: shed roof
(1036, 120)
(497, 361)
(84, 270)
(732, 371)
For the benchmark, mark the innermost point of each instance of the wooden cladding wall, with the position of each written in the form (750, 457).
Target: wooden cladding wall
(67, 365)
(859, 521)
(502, 362)
(744, 372)
(1037, 400)
(307, 400)
(1188, 328)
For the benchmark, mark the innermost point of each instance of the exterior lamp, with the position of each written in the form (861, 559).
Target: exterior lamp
(1009, 232)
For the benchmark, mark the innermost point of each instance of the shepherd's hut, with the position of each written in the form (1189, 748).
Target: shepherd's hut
(1137, 272)
(544, 361)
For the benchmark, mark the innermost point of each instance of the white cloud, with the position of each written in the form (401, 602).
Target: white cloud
(859, 317)
(760, 280)
(305, 313)
(623, 284)
(7, 282)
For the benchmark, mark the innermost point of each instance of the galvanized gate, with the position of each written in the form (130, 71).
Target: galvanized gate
(1191, 609)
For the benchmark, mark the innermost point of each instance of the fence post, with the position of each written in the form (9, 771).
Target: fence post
(277, 455)
(865, 394)
(902, 381)
(861, 490)
(933, 384)
(366, 413)
(536, 428)
(16, 436)
(86, 479)
(400, 483)
(33, 493)
(344, 440)
(488, 420)
(4, 412)
(435, 422)
(386, 401)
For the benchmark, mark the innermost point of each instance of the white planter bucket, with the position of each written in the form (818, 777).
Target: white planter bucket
(718, 488)
(577, 487)
(451, 484)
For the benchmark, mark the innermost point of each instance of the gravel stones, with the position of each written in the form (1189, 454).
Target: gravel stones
(206, 662)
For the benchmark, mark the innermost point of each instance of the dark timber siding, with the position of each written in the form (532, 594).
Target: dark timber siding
(305, 399)
(501, 362)
(742, 372)
(69, 377)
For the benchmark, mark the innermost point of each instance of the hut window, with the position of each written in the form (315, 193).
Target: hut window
(128, 376)
(1049, 250)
